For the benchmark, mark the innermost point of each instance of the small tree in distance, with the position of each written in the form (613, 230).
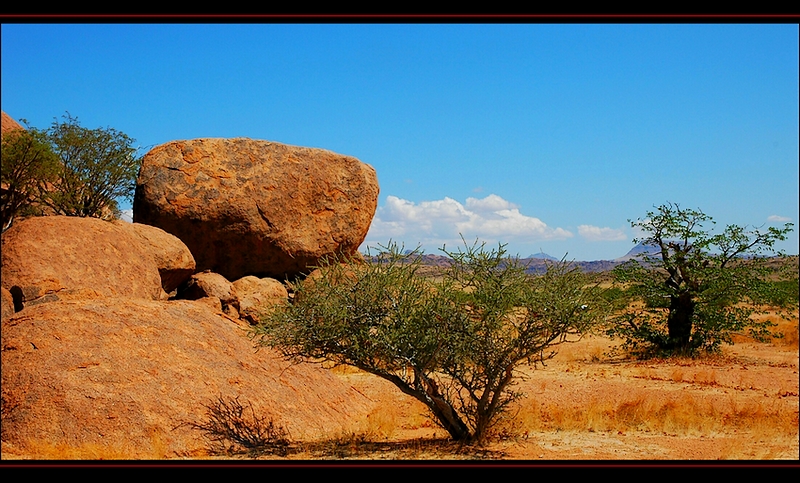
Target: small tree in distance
(700, 287)
(97, 167)
(452, 344)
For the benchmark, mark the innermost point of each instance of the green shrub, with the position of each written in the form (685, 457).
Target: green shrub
(452, 343)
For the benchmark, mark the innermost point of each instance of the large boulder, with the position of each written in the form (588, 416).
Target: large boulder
(250, 207)
(51, 258)
(131, 376)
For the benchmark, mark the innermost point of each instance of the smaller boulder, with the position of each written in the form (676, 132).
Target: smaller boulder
(257, 296)
(49, 258)
(173, 258)
(210, 284)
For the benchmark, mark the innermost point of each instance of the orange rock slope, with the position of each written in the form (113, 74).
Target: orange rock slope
(133, 376)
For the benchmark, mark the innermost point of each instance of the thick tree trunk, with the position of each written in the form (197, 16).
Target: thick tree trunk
(679, 322)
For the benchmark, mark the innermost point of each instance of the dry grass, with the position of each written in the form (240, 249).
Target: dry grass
(47, 450)
(786, 325)
(684, 415)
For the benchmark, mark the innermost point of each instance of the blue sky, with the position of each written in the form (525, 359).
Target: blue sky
(542, 136)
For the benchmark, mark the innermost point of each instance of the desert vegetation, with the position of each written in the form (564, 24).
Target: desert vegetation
(701, 287)
(689, 390)
(587, 403)
(452, 344)
(66, 169)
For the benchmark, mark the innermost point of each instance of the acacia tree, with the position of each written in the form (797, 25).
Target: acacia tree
(27, 162)
(453, 344)
(701, 287)
(97, 166)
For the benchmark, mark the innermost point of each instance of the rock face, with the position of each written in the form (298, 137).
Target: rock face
(132, 375)
(51, 258)
(93, 356)
(6, 304)
(249, 207)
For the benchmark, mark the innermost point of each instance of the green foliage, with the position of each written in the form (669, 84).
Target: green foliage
(453, 344)
(66, 170)
(27, 162)
(701, 287)
(785, 293)
(98, 166)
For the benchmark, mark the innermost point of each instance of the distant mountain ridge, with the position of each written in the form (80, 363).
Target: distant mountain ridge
(534, 265)
(537, 263)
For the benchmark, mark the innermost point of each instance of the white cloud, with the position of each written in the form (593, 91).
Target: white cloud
(440, 222)
(595, 233)
(126, 215)
(778, 218)
(489, 204)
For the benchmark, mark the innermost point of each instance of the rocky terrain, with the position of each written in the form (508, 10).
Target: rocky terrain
(120, 335)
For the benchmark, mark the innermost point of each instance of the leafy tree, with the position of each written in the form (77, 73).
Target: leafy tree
(98, 166)
(452, 342)
(701, 287)
(27, 162)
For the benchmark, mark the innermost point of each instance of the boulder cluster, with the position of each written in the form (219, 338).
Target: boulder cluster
(117, 333)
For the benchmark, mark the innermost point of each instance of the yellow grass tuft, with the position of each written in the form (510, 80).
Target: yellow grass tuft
(380, 424)
(786, 324)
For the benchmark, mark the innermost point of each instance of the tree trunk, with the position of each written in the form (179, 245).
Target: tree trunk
(444, 412)
(679, 322)
(426, 391)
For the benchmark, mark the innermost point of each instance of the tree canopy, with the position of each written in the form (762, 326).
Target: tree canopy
(98, 166)
(28, 162)
(66, 170)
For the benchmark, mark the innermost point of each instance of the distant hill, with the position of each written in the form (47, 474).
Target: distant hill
(638, 251)
(537, 263)
(543, 256)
